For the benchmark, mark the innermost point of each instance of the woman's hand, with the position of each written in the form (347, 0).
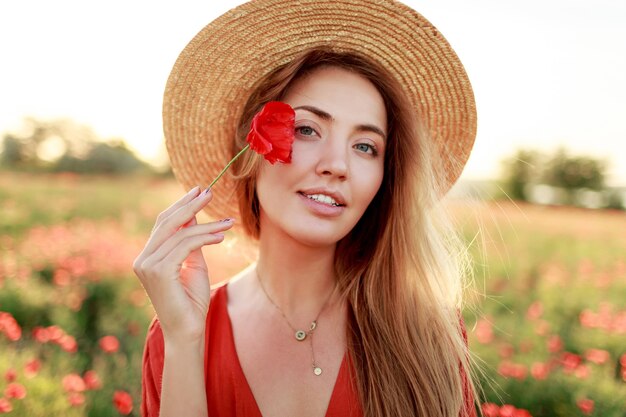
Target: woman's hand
(172, 269)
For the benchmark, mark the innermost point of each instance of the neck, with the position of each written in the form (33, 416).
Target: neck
(298, 278)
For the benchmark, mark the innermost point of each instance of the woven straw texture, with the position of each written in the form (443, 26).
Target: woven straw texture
(217, 71)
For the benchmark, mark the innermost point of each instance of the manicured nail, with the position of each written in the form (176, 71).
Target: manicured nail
(193, 190)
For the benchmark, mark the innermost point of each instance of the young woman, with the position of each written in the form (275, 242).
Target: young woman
(353, 306)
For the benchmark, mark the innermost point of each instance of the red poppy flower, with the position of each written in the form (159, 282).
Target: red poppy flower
(490, 410)
(123, 402)
(41, 334)
(5, 406)
(73, 383)
(15, 390)
(109, 344)
(68, 343)
(32, 368)
(272, 132)
(507, 410)
(76, 398)
(92, 380)
(271, 135)
(9, 327)
(585, 405)
(10, 375)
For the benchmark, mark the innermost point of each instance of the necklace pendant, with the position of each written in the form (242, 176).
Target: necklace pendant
(300, 335)
(317, 370)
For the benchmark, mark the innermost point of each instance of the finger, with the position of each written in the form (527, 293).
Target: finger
(183, 234)
(191, 194)
(191, 222)
(171, 264)
(175, 220)
(152, 271)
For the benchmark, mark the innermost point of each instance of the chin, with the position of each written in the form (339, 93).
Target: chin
(316, 235)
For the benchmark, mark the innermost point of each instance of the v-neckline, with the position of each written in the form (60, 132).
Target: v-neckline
(242, 375)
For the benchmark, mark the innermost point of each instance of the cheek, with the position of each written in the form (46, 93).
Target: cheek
(368, 183)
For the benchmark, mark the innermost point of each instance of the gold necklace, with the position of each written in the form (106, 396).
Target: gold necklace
(301, 335)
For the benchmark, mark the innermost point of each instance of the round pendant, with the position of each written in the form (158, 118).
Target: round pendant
(317, 371)
(300, 335)
(313, 325)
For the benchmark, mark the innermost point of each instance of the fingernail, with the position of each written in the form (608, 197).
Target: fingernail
(193, 190)
(207, 190)
(227, 220)
(218, 234)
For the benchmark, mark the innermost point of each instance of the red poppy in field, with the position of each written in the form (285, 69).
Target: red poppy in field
(41, 334)
(68, 343)
(123, 402)
(585, 405)
(109, 344)
(570, 361)
(535, 310)
(15, 390)
(540, 370)
(55, 333)
(10, 375)
(512, 370)
(484, 331)
(490, 410)
(582, 372)
(73, 383)
(555, 344)
(507, 410)
(9, 327)
(597, 356)
(32, 368)
(76, 398)
(5, 406)
(92, 380)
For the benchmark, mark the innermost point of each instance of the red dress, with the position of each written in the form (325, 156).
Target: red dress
(228, 392)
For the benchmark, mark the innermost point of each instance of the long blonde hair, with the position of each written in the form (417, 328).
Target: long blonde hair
(401, 267)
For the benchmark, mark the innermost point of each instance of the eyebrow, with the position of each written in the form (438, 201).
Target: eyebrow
(326, 116)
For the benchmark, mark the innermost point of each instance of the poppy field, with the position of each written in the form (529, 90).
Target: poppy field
(546, 315)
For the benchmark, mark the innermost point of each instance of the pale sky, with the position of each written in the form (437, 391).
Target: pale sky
(545, 73)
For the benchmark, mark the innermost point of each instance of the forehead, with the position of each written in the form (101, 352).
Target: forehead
(342, 93)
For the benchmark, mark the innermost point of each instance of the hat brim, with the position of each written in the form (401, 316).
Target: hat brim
(218, 70)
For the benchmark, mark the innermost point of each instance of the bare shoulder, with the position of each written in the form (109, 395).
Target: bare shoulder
(239, 289)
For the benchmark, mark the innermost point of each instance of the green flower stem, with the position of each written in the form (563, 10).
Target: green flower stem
(229, 164)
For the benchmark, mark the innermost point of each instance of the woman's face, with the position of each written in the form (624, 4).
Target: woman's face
(337, 161)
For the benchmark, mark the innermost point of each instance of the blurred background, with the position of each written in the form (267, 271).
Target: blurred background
(84, 173)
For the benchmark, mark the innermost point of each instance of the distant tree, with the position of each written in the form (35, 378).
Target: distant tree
(520, 171)
(568, 175)
(574, 172)
(12, 151)
(64, 145)
(105, 158)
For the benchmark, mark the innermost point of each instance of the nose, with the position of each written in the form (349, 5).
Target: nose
(333, 159)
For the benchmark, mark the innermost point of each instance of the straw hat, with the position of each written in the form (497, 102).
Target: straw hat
(217, 71)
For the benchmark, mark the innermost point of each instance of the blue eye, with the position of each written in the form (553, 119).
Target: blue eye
(367, 148)
(305, 130)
